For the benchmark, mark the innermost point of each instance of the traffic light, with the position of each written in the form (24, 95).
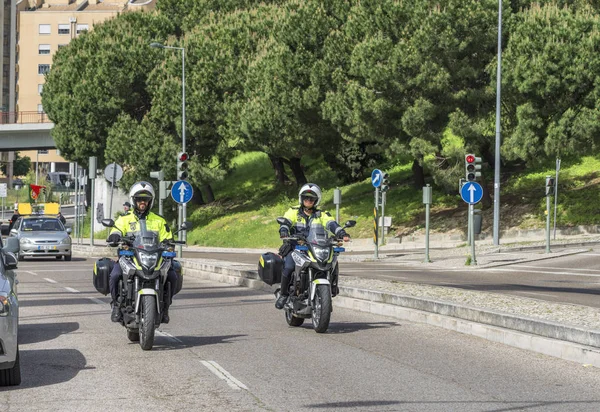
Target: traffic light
(385, 182)
(182, 165)
(549, 185)
(472, 167)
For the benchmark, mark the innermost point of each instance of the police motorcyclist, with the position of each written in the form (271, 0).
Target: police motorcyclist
(302, 219)
(142, 197)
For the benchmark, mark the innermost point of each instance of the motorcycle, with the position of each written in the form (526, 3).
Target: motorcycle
(310, 289)
(142, 289)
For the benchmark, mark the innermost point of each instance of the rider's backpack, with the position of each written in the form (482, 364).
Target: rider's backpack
(102, 269)
(270, 267)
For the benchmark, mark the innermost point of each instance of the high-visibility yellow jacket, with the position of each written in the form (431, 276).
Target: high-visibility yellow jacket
(299, 222)
(130, 224)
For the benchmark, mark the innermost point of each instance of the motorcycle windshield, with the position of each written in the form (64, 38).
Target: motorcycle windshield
(318, 236)
(147, 241)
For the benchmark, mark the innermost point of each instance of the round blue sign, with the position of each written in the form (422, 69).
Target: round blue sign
(182, 191)
(471, 192)
(376, 177)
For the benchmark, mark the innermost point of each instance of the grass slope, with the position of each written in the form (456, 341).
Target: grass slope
(249, 200)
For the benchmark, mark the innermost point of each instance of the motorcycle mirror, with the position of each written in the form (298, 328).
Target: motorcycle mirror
(186, 225)
(350, 223)
(108, 223)
(281, 220)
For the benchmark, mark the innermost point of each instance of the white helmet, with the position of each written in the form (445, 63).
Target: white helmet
(144, 190)
(310, 190)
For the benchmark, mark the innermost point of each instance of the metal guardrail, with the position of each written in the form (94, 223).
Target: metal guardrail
(23, 117)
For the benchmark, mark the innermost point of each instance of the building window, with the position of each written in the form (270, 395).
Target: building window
(44, 49)
(43, 68)
(40, 88)
(44, 29)
(82, 27)
(64, 29)
(40, 108)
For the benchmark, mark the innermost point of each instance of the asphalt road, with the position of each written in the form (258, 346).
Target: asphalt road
(228, 349)
(570, 279)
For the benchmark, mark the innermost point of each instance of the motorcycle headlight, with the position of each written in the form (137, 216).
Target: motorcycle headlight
(148, 259)
(321, 253)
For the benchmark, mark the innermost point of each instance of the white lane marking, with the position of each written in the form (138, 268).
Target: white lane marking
(27, 271)
(72, 290)
(554, 267)
(96, 300)
(221, 373)
(50, 280)
(169, 336)
(61, 270)
(541, 272)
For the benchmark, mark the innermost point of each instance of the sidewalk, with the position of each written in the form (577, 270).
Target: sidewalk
(566, 331)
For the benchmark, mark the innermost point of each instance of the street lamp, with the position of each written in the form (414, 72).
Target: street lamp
(182, 210)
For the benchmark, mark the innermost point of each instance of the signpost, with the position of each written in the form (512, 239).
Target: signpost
(3, 195)
(181, 192)
(471, 193)
(113, 173)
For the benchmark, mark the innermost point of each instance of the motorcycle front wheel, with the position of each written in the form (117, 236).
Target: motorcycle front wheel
(321, 311)
(147, 322)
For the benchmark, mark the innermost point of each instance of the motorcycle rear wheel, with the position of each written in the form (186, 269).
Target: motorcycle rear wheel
(133, 336)
(292, 320)
(147, 322)
(321, 312)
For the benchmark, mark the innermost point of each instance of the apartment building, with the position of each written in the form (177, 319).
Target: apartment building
(39, 28)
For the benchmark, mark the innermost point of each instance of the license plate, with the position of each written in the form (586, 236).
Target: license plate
(46, 247)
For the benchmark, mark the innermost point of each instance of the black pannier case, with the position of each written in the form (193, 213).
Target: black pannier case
(177, 267)
(102, 269)
(270, 267)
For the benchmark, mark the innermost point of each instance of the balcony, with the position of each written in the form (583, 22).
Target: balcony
(23, 117)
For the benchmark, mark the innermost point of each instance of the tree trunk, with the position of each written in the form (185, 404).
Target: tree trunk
(197, 198)
(210, 196)
(298, 171)
(418, 174)
(277, 164)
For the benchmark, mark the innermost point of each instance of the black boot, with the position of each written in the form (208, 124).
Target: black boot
(165, 315)
(284, 292)
(116, 315)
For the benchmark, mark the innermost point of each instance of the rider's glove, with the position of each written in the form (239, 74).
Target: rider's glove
(343, 235)
(113, 239)
(283, 233)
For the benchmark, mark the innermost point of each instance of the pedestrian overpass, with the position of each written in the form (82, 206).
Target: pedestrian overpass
(26, 136)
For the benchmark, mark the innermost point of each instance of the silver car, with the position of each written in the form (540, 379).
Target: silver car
(10, 368)
(42, 236)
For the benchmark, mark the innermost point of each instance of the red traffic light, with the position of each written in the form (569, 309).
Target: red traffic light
(183, 157)
(470, 158)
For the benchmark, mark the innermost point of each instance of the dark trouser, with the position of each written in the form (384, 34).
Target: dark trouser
(117, 273)
(288, 269)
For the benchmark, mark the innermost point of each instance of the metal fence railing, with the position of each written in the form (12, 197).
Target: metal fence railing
(23, 117)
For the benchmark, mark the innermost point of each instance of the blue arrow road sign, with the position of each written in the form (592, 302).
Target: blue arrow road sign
(182, 192)
(376, 177)
(471, 192)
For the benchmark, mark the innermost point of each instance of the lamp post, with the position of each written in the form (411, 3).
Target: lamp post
(182, 210)
(496, 232)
